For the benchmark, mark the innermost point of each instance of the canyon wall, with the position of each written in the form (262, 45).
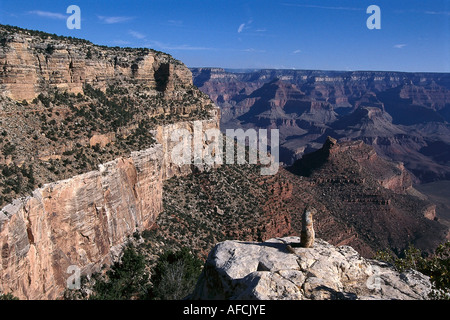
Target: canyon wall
(30, 64)
(84, 221)
(403, 115)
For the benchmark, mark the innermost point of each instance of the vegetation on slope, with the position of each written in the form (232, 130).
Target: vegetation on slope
(49, 139)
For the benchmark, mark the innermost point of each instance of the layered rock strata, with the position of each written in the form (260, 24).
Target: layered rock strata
(84, 221)
(30, 64)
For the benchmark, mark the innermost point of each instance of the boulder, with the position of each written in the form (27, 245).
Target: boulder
(271, 270)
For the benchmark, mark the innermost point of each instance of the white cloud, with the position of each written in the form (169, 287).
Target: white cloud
(112, 20)
(445, 13)
(168, 46)
(321, 7)
(244, 26)
(47, 14)
(296, 51)
(399, 46)
(136, 34)
(175, 23)
(254, 50)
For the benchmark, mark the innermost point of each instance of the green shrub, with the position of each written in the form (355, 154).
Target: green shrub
(8, 149)
(127, 279)
(175, 275)
(8, 296)
(50, 49)
(437, 267)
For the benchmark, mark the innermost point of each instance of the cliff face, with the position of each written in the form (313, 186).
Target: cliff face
(67, 105)
(163, 135)
(31, 64)
(103, 119)
(84, 221)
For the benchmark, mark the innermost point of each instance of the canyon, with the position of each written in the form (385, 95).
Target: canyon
(362, 201)
(404, 116)
(84, 220)
(85, 147)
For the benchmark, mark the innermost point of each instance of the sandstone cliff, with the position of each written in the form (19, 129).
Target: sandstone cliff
(84, 221)
(101, 120)
(268, 271)
(67, 105)
(32, 62)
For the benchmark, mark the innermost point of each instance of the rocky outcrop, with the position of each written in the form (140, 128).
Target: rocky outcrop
(163, 135)
(84, 221)
(31, 62)
(267, 271)
(371, 198)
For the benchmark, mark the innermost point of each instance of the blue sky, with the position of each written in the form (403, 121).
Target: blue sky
(303, 34)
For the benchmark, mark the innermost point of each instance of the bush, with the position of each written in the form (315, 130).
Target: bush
(8, 296)
(50, 49)
(125, 280)
(437, 267)
(8, 149)
(175, 275)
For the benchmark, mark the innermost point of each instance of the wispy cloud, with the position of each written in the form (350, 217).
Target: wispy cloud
(297, 51)
(175, 23)
(399, 46)
(136, 34)
(245, 25)
(253, 50)
(444, 13)
(112, 20)
(47, 14)
(120, 42)
(168, 46)
(322, 7)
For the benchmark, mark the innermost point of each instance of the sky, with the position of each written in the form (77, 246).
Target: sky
(414, 36)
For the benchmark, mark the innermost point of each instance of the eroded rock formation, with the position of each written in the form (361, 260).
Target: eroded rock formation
(404, 116)
(85, 221)
(267, 271)
(31, 64)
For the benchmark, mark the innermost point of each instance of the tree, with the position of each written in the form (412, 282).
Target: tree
(438, 268)
(125, 280)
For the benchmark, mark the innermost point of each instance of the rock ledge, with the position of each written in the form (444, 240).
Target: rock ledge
(269, 271)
